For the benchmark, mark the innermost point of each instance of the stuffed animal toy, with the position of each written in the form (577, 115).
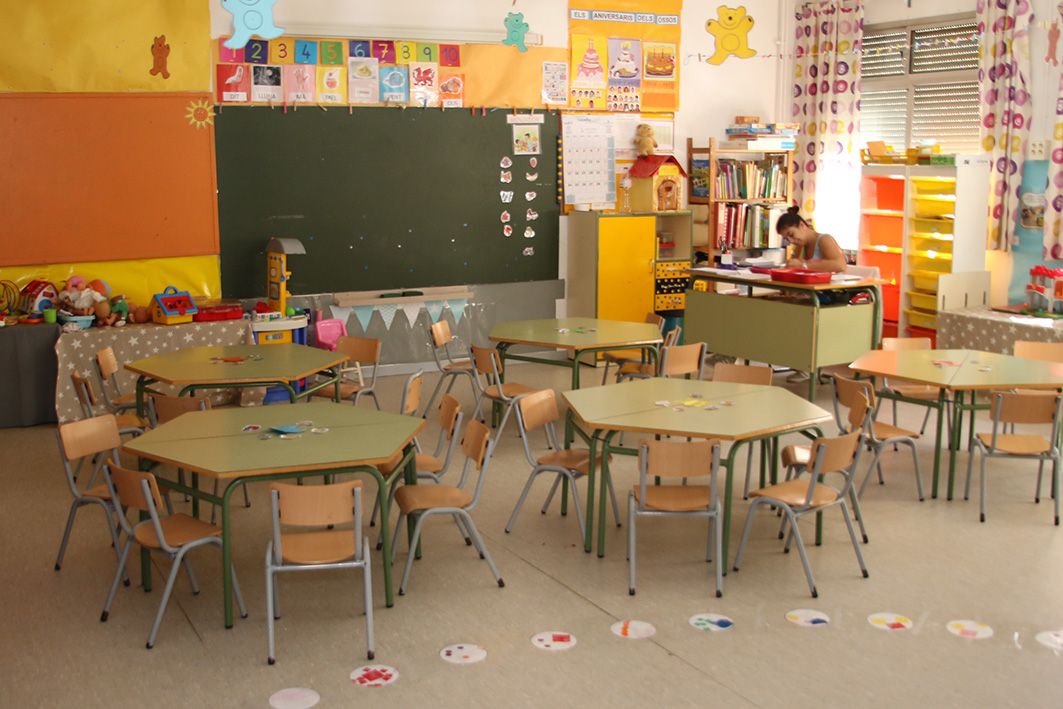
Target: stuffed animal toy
(78, 298)
(104, 316)
(644, 141)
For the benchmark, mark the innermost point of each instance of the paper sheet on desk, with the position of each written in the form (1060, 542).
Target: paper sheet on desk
(740, 273)
(843, 278)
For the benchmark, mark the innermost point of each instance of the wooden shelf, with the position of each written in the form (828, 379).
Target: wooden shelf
(883, 212)
(883, 249)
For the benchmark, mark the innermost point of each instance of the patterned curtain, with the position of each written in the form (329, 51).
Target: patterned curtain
(826, 103)
(1005, 108)
(1054, 194)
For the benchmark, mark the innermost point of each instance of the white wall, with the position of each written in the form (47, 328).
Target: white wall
(883, 11)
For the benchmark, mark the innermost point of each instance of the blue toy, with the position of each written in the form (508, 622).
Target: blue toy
(516, 28)
(251, 17)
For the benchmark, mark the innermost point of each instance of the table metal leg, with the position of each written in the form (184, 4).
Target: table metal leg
(937, 442)
(955, 435)
(729, 465)
(588, 530)
(195, 498)
(141, 385)
(603, 492)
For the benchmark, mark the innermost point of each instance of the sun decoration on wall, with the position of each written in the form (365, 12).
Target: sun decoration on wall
(200, 114)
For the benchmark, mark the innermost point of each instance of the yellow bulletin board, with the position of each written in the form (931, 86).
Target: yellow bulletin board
(624, 55)
(69, 46)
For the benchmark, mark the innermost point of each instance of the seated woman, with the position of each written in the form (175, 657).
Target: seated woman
(812, 251)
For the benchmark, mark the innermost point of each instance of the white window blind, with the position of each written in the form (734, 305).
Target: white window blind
(884, 116)
(948, 114)
(884, 54)
(945, 48)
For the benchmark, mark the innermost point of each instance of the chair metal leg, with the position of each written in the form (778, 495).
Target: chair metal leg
(395, 537)
(745, 534)
(852, 538)
(870, 470)
(191, 576)
(520, 501)
(981, 484)
(631, 543)
(749, 471)
(550, 495)
(1040, 474)
(577, 505)
(367, 590)
(804, 555)
(915, 462)
(435, 392)
(271, 608)
(170, 579)
(413, 553)
(118, 574)
(74, 505)
(464, 533)
(612, 498)
(715, 530)
(605, 372)
(479, 542)
(967, 485)
(926, 418)
(858, 513)
(1055, 490)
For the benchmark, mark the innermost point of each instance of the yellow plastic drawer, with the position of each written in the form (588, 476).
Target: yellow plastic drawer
(925, 280)
(923, 301)
(917, 318)
(934, 185)
(935, 206)
(939, 225)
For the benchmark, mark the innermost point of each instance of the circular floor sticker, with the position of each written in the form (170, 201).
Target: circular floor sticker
(889, 621)
(554, 641)
(633, 629)
(294, 698)
(807, 617)
(463, 654)
(1052, 639)
(374, 676)
(969, 629)
(711, 622)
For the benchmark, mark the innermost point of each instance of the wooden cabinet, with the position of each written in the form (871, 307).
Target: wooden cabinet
(623, 266)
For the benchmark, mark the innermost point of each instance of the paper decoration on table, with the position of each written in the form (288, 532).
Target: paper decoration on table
(633, 629)
(363, 79)
(251, 17)
(394, 84)
(251, 428)
(451, 89)
(505, 176)
(234, 83)
(711, 622)
(731, 31)
(424, 84)
(529, 233)
(1052, 639)
(505, 163)
(457, 308)
(387, 312)
(463, 654)
(505, 217)
(970, 629)
(554, 641)
(528, 251)
(374, 676)
(294, 698)
(532, 215)
(266, 83)
(435, 309)
(299, 83)
(364, 314)
(516, 28)
(331, 84)
(555, 83)
(889, 621)
(507, 230)
(526, 139)
(529, 196)
(200, 113)
(808, 617)
(160, 51)
(506, 195)
(411, 310)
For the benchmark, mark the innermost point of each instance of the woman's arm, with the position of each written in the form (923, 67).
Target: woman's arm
(833, 260)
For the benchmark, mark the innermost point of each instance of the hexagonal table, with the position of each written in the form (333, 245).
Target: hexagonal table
(741, 413)
(230, 445)
(238, 366)
(959, 372)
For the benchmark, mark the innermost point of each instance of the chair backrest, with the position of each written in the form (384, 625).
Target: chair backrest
(895, 344)
(90, 436)
(316, 505)
(163, 408)
(328, 332)
(1010, 407)
(847, 392)
(449, 411)
(859, 413)
(538, 409)
(107, 362)
(475, 443)
(487, 361)
(440, 333)
(83, 389)
(682, 360)
(676, 459)
(365, 350)
(1047, 351)
(411, 395)
(128, 486)
(672, 336)
(741, 373)
(830, 455)
(655, 319)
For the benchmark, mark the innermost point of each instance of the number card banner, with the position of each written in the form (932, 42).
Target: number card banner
(424, 84)
(331, 53)
(282, 51)
(405, 52)
(384, 51)
(299, 83)
(394, 84)
(256, 51)
(363, 79)
(427, 52)
(449, 55)
(229, 56)
(331, 84)
(305, 52)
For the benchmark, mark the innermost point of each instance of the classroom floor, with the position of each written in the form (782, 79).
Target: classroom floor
(930, 561)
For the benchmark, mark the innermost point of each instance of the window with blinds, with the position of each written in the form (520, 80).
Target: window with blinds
(919, 85)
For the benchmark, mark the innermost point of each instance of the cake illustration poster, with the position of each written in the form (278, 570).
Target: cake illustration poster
(660, 90)
(624, 75)
(587, 77)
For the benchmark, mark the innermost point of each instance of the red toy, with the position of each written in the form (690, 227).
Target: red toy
(218, 312)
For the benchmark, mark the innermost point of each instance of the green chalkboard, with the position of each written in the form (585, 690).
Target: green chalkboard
(382, 198)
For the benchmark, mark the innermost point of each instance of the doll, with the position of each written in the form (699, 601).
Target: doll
(78, 298)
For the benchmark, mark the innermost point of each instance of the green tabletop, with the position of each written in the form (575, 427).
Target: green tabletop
(262, 363)
(961, 370)
(733, 412)
(576, 333)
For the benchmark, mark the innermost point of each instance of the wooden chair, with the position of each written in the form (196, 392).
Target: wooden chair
(879, 435)
(677, 459)
(128, 423)
(536, 411)
(745, 374)
(810, 495)
(620, 357)
(174, 535)
(918, 394)
(306, 537)
(1019, 408)
(95, 440)
(163, 409)
(362, 352)
(1045, 351)
(424, 501)
(440, 339)
(107, 372)
(488, 365)
(644, 370)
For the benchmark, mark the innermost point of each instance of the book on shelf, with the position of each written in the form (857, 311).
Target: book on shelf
(699, 177)
(747, 226)
(751, 179)
(762, 143)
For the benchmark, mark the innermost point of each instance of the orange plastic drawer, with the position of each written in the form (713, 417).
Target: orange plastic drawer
(889, 265)
(882, 229)
(891, 303)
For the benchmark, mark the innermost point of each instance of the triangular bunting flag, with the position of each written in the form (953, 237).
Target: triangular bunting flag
(435, 309)
(457, 307)
(388, 313)
(412, 310)
(364, 313)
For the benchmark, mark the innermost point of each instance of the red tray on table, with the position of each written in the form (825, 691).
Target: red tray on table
(798, 275)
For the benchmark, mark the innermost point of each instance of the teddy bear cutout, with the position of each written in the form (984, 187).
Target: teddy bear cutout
(160, 51)
(731, 30)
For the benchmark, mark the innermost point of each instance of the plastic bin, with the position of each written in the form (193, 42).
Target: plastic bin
(881, 229)
(938, 225)
(935, 206)
(923, 301)
(934, 185)
(918, 318)
(925, 280)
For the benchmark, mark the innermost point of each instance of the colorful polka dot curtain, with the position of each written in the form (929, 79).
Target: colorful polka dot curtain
(1054, 196)
(826, 97)
(1005, 108)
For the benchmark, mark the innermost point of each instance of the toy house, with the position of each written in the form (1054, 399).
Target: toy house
(37, 296)
(172, 307)
(657, 184)
(1045, 290)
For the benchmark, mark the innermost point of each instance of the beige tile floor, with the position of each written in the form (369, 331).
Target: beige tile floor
(931, 561)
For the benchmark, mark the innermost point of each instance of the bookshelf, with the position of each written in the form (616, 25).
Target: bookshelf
(745, 190)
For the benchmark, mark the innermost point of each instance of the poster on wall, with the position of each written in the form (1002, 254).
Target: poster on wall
(625, 75)
(588, 73)
(394, 84)
(424, 84)
(266, 84)
(451, 89)
(331, 84)
(363, 80)
(299, 83)
(555, 83)
(589, 160)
